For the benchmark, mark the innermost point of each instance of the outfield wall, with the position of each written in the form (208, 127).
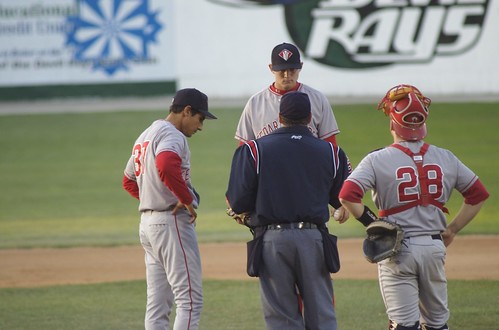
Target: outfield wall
(350, 48)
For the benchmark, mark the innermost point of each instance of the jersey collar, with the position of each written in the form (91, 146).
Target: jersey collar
(282, 92)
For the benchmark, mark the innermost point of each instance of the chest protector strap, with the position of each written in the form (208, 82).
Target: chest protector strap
(425, 198)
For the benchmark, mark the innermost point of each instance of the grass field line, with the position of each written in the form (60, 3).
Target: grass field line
(160, 102)
(472, 257)
(97, 104)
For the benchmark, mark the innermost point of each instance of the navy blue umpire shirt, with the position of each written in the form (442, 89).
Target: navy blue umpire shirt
(287, 176)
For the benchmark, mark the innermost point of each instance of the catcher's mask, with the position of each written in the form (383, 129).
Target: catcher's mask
(408, 111)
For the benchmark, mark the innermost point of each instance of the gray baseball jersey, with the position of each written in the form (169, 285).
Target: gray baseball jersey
(261, 115)
(393, 178)
(173, 264)
(160, 136)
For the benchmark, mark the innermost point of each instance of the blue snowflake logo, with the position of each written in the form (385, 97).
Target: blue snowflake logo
(111, 34)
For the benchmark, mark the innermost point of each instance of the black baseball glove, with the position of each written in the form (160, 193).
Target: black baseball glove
(383, 240)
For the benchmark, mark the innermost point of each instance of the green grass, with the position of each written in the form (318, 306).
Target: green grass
(227, 305)
(61, 186)
(61, 173)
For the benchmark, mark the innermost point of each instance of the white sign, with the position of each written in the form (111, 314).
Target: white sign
(350, 48)
(44, 42)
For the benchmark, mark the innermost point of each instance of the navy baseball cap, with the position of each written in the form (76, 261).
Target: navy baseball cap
(196, 99)
(295, 106)
(285, 56)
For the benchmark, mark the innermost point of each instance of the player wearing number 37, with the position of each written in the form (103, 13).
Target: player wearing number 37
(158, 175)
(411, 181)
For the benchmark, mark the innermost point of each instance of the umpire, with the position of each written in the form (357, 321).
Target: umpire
(286, 180)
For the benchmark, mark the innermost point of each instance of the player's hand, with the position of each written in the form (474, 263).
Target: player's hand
(448, 236)
(189, 208)
(192, 212)
(341, 215)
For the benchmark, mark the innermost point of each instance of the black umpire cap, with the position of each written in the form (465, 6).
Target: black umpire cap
(295, 106)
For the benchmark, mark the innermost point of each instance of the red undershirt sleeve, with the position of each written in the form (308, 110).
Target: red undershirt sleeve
(168, 164)
(351, 192)
(476, 193)
(131, 186)
(331, 139)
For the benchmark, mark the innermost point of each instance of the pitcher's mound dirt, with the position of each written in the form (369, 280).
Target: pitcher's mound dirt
(469, 257)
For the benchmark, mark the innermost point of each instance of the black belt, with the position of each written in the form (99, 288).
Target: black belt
(292, 225)
(437, 236)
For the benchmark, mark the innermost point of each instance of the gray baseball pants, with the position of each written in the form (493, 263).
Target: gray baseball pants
(173, 270)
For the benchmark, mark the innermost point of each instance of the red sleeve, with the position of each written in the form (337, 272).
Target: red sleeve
(476, 193)
(168, 165)
(131, 186)
(351, 192)
(331, 139)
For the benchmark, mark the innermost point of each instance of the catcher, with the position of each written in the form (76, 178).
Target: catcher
(410, 182)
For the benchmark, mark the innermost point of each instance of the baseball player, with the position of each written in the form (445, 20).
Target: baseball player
(260, 116)
(411, 181)
(285, 180)
(158, 175)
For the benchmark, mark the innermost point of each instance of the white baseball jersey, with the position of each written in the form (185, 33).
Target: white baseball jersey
(160, 136)
(393, 177)
(261, 115)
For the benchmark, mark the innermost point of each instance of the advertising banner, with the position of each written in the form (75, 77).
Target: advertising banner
(58, 42)
(349, 47)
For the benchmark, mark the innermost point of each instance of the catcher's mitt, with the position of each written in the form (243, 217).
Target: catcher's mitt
(383, 240)
(242, 219)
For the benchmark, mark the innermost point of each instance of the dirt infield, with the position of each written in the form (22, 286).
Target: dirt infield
(469, 257)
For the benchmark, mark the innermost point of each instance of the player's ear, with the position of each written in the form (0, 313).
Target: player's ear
(270, 68)
(187, 112)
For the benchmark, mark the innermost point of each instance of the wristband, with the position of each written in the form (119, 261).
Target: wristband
(367, 217)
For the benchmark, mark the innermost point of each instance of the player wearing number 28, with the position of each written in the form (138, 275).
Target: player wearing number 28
(411, 181)
(158, 175)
